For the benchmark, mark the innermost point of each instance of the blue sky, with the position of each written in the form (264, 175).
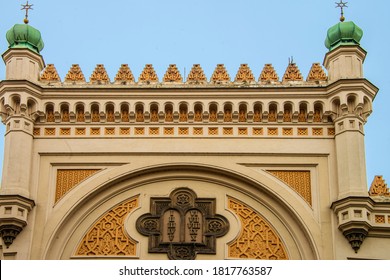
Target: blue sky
(209, 32)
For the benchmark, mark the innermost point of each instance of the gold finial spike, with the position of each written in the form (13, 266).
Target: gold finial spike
(341, 5)
(26, 7)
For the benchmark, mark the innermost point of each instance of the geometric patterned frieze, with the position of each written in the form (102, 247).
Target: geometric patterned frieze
(68, 178)
(107, 236)
(299, 181)
(257, 239)
(182, 225)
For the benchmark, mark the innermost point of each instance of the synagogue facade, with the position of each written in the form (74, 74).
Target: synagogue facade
(221, 167)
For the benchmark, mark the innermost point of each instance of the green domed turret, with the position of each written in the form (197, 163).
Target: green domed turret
(343, 33)
(25, 36)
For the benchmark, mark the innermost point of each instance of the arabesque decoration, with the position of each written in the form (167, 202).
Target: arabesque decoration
(107, 236)
(68, 178)
(244, 74)
(292, 73)
(220, 74)
(316, 73)
(257, 240)
(268, 74)
(196, 75)
(75, 74)
(148, 75)
(172, 75)
(379, 187)
(124, 75)
(99, 75)
(50, 74)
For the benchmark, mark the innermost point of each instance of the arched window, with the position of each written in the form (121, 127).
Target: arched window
(65, 113)
(257, 109)
(317, 112)
(213, 113)
(110, 116)
(302, 117)
(287, 112)
(80, 116)
(242, 113)
(49, 113)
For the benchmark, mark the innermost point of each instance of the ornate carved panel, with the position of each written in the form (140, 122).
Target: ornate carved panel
(299, 181)
(182, 225)
(68, 178)
(107, 236)
(257, 240)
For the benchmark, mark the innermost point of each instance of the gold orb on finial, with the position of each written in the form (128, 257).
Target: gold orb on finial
(26, 7)
(342, 18)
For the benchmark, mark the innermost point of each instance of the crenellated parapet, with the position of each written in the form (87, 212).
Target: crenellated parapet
(196, 76)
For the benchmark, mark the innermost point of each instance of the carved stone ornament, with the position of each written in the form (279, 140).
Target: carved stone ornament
(124, 75)
(172, 75)
(99, 75)
(316, 73)
(379, 187)
(75, 74)
(220, 74)
(244, 74)
(196, 75)
(292, 73)
(268, 74)
(9, 233)
(182, 225)
(148, 75)
(355, 237)
(50, 74)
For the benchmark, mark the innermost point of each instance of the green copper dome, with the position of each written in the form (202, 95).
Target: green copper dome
(343, 33)
(25, 36)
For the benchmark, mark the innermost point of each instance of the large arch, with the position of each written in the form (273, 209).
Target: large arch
(285, 211)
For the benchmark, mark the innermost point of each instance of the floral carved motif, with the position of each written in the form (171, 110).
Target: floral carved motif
(107, 236)
(75, 74)
(244, 74)
(196, 75)
(172, 74)
(379, 187)
(148, 75)
(50, 74)
(257, 240)
(124, 75)
(68, 178)
(220, 74)
(99, 75)
(316, 73)
(268, 74)
(299, 181)
(292, 73)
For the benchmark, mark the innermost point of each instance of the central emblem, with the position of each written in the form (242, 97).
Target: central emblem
(182, 225)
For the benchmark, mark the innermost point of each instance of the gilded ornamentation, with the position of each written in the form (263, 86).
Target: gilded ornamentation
(268, 74)
(182, 225)
(244, 74)
(50, 74)
(317, 116)
(302, 116)
(316, 73)
(196, 75)
(299, 181)
(172, 75)
(220, 74)
(257, 240)
(124, 75)
(292, 73)
(75, 74)
(107, 236)
(378, 187)
(227, 116)
(68, 178)
(287, 116)
(99, 75)
(148, 75)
